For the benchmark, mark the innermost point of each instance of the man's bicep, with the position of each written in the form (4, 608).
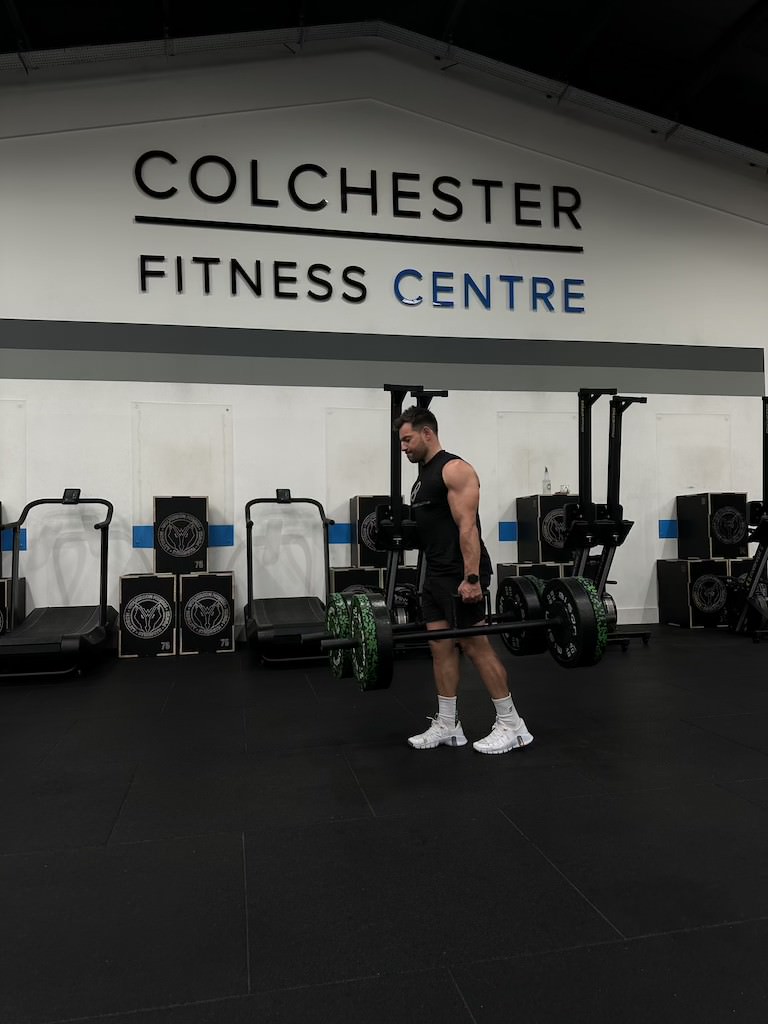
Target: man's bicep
(463, 494)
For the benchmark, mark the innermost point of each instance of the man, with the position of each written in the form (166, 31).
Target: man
(444, 501)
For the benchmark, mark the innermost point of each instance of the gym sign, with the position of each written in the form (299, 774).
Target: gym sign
(529, 211)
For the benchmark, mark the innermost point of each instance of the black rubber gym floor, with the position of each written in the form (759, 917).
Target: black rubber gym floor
(198, 840)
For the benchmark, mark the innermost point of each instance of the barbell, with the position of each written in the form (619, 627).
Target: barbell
(570, 623)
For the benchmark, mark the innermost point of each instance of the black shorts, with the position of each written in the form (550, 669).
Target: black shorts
(439, 602)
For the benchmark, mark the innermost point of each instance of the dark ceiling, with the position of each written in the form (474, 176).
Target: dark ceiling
(700, 63)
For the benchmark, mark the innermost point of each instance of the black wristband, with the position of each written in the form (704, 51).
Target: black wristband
(472, 578)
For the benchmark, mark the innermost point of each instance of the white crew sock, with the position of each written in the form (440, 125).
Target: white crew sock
(507, 713)
(447, 710)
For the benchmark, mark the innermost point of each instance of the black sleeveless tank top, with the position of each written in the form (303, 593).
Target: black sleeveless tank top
(438, 534)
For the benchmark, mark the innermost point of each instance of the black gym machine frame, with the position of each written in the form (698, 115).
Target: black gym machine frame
(394, 533)
(57, 641)
(747, 598)
(569, 617)
(586, 525)
(589, 525)
(275, 626)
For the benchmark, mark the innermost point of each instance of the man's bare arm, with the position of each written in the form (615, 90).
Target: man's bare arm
(464, 500)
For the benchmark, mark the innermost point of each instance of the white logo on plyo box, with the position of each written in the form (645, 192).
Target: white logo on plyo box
(553, 528)
(180, 535)
(207, 613)
(147, 616)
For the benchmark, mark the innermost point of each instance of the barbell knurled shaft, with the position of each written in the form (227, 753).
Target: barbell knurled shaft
(479, 630)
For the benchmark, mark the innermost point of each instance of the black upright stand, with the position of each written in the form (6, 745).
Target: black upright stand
(395, 533)
(752, 616)
(590, 525)
(581, 518)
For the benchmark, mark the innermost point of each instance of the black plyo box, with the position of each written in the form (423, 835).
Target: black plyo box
(206, 613)
(362, 518)
(692, 592)
(712, 525)
(356, 576)
(147, 615)
(543, 570)
(5, 600)
(742, 566)
(181, 534)
(541, 527)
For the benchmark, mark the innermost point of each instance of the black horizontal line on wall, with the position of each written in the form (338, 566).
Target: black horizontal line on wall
(78, 350)
(177, 339)
(371, 236)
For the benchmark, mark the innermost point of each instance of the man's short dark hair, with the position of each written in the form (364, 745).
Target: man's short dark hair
(418, 418)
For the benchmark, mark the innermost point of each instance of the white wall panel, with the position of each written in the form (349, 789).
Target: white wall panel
(182, 449)
(288, 556)
(13, 457)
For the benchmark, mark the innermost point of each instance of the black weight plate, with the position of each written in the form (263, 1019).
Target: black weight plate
(517, 599)
(577, 630)
(373, 657)
(338, 625)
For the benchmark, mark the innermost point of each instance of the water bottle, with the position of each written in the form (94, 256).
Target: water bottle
(546, 483)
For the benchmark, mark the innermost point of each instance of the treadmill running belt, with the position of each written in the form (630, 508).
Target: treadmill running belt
(289, 614)
(49, 625)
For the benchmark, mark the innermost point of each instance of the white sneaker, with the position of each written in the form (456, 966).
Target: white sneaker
(503, 737)
(439, 732)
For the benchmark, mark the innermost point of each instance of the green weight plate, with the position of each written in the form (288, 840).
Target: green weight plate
(577, 627)
(517, 599)
(373, 657)
(337, 623)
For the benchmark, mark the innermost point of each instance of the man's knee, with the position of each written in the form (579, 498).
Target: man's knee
(477, 647)
(442, 648)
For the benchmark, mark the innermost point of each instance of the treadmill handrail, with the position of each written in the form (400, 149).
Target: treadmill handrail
(103, 526)
(249, 538)
(60, 501)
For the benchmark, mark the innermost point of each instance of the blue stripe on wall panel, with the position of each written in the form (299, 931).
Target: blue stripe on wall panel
(143, 536)
(667, 529)
(219, 536)
(340, 533)
(6, 540)
(507, 531)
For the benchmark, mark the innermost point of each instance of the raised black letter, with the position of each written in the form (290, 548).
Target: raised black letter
(567, 209)
(221, 162)
(302, 169)
(445, 179)
(152, 154)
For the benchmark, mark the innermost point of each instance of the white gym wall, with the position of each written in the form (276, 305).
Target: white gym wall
(675, 246)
